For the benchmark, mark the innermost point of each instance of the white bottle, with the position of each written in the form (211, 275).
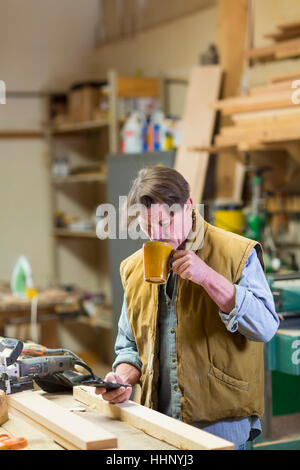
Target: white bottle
(133, 133)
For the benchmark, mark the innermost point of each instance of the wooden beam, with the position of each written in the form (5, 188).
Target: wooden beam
(38, 437)
(21, 134)
(152, 422)
(198, 126)
(288, 26)
(270, 51)
(284, 77)
(220, 150)
(244, 104)
(232, 37)
(67, 428)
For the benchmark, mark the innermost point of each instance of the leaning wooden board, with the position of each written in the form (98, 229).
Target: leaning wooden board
(66, 428)
(175, 432)
(198, 126)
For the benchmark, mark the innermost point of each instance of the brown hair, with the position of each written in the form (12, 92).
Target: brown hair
(157, 184)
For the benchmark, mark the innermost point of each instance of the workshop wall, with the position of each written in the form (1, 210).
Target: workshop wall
(173, 47)
(267, 15)
(51, 43)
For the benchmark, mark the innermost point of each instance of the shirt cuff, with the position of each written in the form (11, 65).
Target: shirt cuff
(231, 319)
(129, 358)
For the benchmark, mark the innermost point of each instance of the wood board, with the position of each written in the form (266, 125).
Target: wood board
(284, 77)
(3, 408)
(198, 126)
(65, 427)
(170, 430)
(269, 52)
(233, 34)
(36, 440)
(243, 104)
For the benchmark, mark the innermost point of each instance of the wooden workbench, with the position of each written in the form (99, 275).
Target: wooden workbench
(50, 303)
(129, 438)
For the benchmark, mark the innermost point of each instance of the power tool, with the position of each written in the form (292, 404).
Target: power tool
(51, 369)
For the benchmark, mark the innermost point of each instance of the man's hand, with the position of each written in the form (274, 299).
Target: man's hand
(118, 395)
(189, 266)
(126, 374)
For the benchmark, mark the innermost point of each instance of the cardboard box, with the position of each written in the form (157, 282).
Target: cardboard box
(82, 102)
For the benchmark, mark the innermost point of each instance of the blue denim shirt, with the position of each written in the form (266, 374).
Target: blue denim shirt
(253, 316)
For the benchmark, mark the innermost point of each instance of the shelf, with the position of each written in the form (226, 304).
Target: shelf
(83, 178)
(98, 322)
(66, 233)
(22, 134)
(78, 127)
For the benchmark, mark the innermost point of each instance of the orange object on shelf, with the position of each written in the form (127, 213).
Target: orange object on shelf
(12, 443)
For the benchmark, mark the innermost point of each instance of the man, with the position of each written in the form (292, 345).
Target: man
(195, 344)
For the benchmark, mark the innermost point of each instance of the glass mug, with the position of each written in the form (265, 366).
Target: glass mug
(156, 258)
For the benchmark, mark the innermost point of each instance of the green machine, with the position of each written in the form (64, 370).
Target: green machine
(257, 218)
(282, 361)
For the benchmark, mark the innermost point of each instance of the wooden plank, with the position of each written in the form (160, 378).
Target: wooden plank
(233, 35)
(36, 440)
(285, 85)
(254, 103)
(80, 178)
(284, 35)
(61, 422)
(114, 143)
(22, 134)
(3, 407)
(198, 126)
(260, 134)
(156, 424)
(47, 433)
(270, 51)
(257, 118)
(69, 128)
(284, 77)
(133, 87)
(290, 25)
(61, 232)
(286, 53)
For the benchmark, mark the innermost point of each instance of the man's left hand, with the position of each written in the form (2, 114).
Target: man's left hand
(189, 266)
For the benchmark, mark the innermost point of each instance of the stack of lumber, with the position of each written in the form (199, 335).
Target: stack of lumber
(285, 31)
(268, 115)
(280, 203)
(286, 44)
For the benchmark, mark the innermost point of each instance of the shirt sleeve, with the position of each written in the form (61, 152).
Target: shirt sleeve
(125, 345)
(254, 314)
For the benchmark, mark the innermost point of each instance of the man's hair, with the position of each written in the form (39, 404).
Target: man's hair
(157, 184)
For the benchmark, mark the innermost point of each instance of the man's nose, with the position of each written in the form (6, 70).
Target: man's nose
(156, 232)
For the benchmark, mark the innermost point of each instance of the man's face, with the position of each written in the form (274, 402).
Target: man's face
(160, 222)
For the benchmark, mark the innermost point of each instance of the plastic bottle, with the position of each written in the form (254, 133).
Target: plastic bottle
(158, 121)
(133, 133)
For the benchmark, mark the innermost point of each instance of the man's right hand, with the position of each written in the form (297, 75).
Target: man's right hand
(118, 395)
